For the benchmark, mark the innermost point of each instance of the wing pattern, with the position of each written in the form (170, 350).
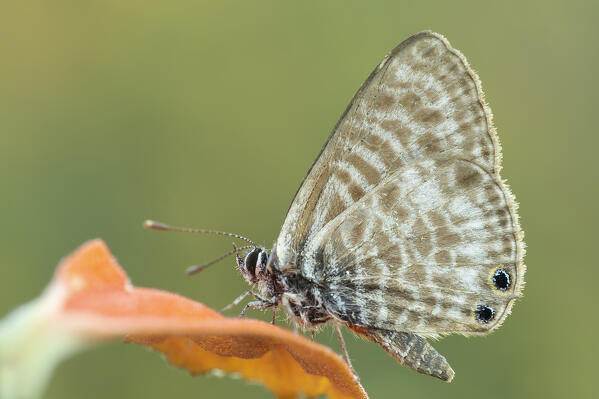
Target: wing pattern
(418, 253)
(421, 101)
(403, 222)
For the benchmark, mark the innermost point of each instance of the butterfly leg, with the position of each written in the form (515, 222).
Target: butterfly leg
(235, 302)
(261, 303)
(241, 298)
(287, 305)
(343, 348)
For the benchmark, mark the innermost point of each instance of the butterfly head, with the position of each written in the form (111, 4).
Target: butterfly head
(253, 266)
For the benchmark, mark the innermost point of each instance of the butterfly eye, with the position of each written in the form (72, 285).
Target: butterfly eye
(484, 313)
(502, 280)
(251, 259)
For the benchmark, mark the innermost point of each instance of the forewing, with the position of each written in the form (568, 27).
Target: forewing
(418, 253)
(422, 101)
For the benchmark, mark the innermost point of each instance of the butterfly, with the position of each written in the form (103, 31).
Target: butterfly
(403, 229)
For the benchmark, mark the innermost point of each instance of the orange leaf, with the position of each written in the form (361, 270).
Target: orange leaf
(100, 302)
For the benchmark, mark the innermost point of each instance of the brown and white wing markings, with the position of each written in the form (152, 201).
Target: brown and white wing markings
(422, 101)
(403, 218)
(418, 253)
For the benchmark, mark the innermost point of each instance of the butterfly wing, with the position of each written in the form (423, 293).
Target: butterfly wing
(421, 101)
(419, 252)
(403, 220)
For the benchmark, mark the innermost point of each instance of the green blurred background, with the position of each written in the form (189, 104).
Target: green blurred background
(209, 114)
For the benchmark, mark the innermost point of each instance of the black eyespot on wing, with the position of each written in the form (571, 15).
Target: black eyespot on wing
(502, 279)
(484, 313)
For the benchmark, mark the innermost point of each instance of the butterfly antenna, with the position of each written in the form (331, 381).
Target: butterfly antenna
(150, 224)
(196, 269)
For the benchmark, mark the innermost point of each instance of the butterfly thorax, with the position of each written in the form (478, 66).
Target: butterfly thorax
(298, 295)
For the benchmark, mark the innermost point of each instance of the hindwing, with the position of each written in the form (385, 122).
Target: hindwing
(418, 253)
